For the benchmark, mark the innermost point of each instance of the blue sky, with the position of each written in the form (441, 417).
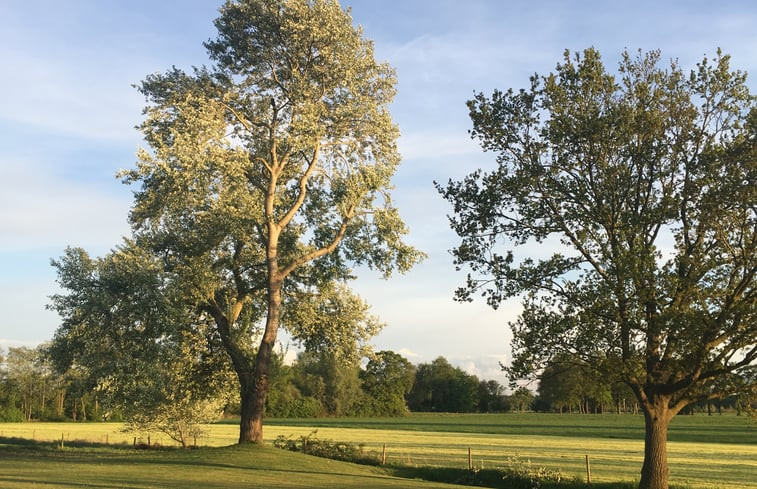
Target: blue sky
(68, 111)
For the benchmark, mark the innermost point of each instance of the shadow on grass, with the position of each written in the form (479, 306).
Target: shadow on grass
(494, 478)
(491, 478)
(11, 443)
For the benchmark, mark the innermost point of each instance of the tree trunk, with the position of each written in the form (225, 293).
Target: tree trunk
(655, 471)
(255, 390)
(246, 398)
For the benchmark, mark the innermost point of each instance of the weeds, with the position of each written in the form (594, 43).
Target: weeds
(311, 445)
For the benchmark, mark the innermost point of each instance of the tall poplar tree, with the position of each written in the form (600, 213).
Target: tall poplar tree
(269, 172)
(267, 176)
(648, 182)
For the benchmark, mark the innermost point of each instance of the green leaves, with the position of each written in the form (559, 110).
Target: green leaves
(632, 174)
(332, 320)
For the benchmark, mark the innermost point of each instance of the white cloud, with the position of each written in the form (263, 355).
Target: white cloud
(407, 353)
(57, 95)
(40, 210)
(5, 344)
(438, 144)
(26, 321)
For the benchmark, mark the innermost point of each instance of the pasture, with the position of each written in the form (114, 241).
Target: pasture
(704, 452)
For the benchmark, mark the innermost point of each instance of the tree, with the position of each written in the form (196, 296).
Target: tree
(647, 182)
(173, 395)
(440, 387)
(491, 397)
(30, 375)
(560, 387)
(388, 377)
(269, 173)
(568, 382)
(128, 334)
(331, 380)
(522, 398)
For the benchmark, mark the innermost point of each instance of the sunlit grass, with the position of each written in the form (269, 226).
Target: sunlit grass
(704, 452)
(208, 468)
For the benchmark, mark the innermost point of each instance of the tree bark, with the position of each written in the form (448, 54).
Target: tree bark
(255, 390)
(246, 399)
(655, 470)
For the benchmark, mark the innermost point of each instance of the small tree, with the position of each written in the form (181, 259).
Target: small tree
(568, 382)
(171, 397)
(648, 183)
(128, 334)
(491, 397)
(522, 399)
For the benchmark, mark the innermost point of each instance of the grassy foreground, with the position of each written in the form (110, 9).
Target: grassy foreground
(704, 452)
(23, 467)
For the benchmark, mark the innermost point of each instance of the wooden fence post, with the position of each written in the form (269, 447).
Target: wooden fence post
(588, 471)
(383, 455)
(470, 460)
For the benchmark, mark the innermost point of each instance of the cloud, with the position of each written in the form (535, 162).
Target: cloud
(407, 353)
(43, 211)
(54, 94)
(447, 143)
(485, 367)
(5, 344)
(26, 321)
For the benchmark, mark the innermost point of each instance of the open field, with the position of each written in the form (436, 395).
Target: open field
(704, 452)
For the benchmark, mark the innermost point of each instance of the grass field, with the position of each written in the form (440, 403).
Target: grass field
(208, 468)
(704, 452)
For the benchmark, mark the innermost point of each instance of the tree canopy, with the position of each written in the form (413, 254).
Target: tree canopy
(623, 210)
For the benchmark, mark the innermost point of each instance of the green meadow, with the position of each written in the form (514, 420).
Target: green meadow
(704, 451)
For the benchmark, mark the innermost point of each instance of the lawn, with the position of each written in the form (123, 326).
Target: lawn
(22, 467)
(704, 452)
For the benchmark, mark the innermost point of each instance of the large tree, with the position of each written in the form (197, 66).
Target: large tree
(623, 211)
(388, 377)
(440, 387)
(268, 173)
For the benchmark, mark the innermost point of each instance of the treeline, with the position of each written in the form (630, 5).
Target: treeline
(570, 385)
(31, 389)
(388, 385)
(322, 384)
(316, 384)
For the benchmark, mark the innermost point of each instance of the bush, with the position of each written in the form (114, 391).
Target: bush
(304, 407)
(524, 475)
(11, 414)
(346, 452)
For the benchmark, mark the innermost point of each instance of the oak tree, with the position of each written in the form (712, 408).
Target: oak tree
(623, 211)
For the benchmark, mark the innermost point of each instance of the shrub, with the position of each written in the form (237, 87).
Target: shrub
(521, 474)
(11, 414)
(311, 445)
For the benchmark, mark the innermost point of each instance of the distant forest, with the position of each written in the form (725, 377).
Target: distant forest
(318, 385)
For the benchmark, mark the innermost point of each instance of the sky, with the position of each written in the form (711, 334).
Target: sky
(68, 110)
